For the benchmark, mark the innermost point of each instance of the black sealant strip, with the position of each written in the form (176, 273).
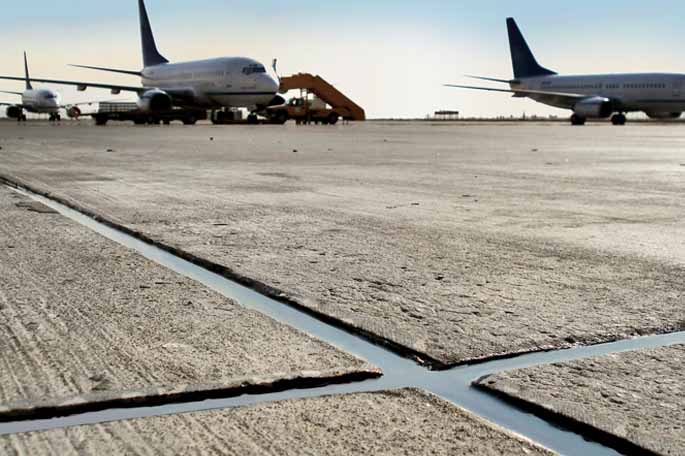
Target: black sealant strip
(454, 385)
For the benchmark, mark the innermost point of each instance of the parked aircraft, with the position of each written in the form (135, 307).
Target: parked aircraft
(659, 95)
(207, 84)
(40, 101)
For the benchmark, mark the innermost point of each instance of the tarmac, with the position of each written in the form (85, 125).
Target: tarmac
(449, 242)
(403, 422)
(86, 324)
(635, 398)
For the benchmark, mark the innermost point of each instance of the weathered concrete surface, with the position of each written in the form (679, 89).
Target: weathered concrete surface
(84, 320)
(460, 242)
(406, 422)
(638, 396)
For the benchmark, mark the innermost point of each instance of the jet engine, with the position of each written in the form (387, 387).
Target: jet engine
(594, 107)
(13, 112)
(74, 112)
(155, 100)
(664, 115)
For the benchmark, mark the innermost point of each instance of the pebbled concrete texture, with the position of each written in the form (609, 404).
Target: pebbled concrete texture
(85, 321)
(457, 242)
(636, 397)
(405, 422)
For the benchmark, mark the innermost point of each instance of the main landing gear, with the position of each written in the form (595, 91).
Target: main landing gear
(578, 120)
(55, 117)
(618, 119)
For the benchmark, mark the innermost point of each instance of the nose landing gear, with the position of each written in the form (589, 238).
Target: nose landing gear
(55, 117)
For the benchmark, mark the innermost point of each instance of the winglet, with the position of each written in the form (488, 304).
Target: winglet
(26, 69)
(523, 60)
(151, 55)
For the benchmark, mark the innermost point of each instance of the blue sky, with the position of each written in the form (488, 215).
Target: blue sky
(391, 56)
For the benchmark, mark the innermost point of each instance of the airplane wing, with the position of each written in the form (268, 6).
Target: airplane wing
(84, 85)
(11, 93)
(569, 99)
(8, 104)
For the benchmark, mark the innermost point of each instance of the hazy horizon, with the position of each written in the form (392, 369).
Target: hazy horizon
(390, 57)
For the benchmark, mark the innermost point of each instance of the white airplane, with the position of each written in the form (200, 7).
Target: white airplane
(207, 84)
(659, 95)
(40, 101)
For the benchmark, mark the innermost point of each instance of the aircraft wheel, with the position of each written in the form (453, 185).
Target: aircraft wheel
(333, 118)
(578, 120)
(252, 119)
(279, 118)
(618, 119)
(190, 120)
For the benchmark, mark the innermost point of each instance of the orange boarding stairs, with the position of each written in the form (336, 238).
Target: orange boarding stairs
(348, 109)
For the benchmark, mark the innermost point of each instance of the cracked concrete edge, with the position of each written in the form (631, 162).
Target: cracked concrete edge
(549, 414)
(231, 274)
(157, 396)
(484, 421)
(296, 302)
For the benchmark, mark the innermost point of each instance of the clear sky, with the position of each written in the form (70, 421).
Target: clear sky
(390, 56)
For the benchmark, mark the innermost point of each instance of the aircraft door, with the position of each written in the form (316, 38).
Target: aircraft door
(677, 88)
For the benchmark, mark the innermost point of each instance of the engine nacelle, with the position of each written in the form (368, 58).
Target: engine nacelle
(664, 115)
(14, 112)
(594, 107)
(74, 112)
(154, 101)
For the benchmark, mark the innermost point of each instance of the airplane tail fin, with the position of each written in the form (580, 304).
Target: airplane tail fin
(523, 60)
(151, 55)
(26, 69)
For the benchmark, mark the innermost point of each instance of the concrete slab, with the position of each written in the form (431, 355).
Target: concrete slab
(453, 242)
(634, 401)
(86, 323)
(406, 422)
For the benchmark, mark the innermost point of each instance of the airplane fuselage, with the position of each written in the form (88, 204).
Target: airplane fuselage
(657, 94)
(214, 83)
(41, 101)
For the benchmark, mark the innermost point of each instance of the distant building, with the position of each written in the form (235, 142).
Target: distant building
(446, 115)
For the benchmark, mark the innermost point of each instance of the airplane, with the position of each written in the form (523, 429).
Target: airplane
(214, 84)
(40, 101)
(601, 96)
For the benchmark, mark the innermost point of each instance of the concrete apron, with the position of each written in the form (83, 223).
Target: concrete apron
(454, 385)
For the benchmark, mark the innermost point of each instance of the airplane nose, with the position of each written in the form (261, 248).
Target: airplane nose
(271, 84)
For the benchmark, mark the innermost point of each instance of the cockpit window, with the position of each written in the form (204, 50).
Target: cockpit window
(50, 96)
(254, 68)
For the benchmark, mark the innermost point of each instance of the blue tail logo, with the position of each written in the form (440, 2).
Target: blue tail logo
(26, 72)
(523, 60)
(151, 55)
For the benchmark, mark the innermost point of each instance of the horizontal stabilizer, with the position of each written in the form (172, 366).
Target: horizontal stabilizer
(485, 78)
(572, 97)
(111, 70)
